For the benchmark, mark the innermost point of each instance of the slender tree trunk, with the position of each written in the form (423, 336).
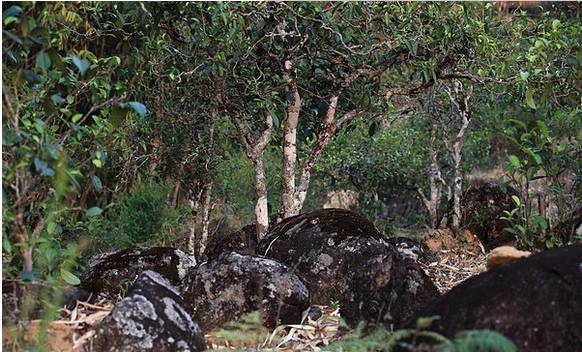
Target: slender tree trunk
(173, 196)
(460, 100)
(261, 208)
(435, 183)
(290, 152)
(205, 217)
(194, 207)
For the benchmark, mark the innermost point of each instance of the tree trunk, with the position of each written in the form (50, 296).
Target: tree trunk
(460, 100)
(205, 217)
(173, 196)
(435, 183)
(261, 208)
(194, 205)
(290, 153)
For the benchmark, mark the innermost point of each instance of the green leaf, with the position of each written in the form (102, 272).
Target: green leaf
(51, 228)
(516, 200)
(6, 245)
(529, 100)
(93, 211)
(43, 61)
(138, 107)
(82, 64)
(76, 118)
(541, 221)
(97, 183)
(275, 119)
(514, 161)
(524, 75)
(97, 163)
(69, 277)
(556, 24)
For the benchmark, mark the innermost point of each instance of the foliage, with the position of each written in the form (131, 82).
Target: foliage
(142, 216)
(419, 340)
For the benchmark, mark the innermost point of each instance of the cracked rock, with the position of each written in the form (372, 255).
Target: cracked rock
(152, 317)
(233, 284)
(114, 272)
(340, 256)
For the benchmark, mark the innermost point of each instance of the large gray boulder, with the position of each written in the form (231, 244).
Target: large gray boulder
(233, 284)
(340, 256)
(152, 317)
(114, 272)
(536, 302)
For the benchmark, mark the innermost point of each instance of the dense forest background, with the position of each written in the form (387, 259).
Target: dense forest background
(143, 123)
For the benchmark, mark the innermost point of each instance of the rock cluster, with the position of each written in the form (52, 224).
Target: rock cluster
(340, 256)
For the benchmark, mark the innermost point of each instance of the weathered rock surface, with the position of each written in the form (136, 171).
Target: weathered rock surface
(225, 288)
(482, 207)
(536, 302)
(152, 317)
(386, 289)
(242, 241)
(341, 256)
(504, 255)
(111, 272)
(412, 249)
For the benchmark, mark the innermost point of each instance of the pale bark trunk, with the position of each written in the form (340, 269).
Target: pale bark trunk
(290, 152)
(435, 183)
(205, 217)
(323, 138)
(194, 207)
(261, 208)
(254, 150)
(461, 102)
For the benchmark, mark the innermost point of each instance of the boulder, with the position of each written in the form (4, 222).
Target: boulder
(340, 256)
(113, 272)
(387, 289)
(504, 255)
(225, 288)
(482, 207)
(242, 241)
(152, 317)
(536, 302)
(415, 250)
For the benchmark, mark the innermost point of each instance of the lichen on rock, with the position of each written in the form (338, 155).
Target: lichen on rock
(151, 317)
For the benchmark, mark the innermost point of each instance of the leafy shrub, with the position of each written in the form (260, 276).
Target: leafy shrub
(142, 217)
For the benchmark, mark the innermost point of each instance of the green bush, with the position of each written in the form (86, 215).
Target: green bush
(141, 217)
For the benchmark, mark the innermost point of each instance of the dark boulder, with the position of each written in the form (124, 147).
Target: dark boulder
(536, 302)
(387, 289)
(242, 241)
(152, 317)
(113, 272)
(482, 207)
(341, 256)
(225, 288)
(415, 250)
